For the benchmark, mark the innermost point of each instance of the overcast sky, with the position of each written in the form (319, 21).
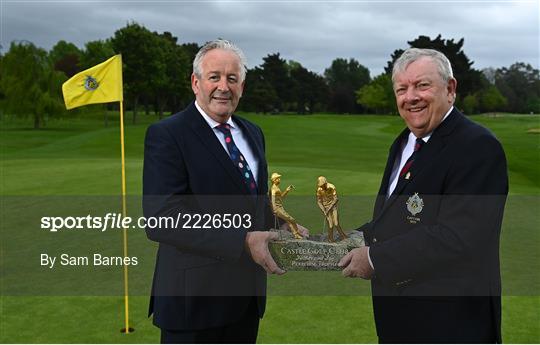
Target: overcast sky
(497, 33)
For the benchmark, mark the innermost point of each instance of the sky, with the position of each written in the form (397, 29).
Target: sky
(496, 33)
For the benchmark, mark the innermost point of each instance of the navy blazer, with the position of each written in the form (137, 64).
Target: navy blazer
(435, 242)
(203, 277)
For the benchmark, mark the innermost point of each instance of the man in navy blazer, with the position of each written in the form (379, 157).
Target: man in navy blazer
(432, 247)
(206, 167)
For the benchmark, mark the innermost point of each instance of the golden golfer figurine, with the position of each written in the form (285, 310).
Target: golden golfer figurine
(277, 204)
(327, 200)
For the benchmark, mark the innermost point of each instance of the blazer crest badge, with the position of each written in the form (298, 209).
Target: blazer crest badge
(415, 204)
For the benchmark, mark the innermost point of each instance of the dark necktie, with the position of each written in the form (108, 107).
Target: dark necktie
(238, 158)
(417, 146)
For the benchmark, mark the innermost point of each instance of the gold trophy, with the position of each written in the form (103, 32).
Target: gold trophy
(319, 252)
(276, 197)
(327, 200)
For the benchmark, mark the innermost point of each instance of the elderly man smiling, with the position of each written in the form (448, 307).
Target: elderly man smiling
(432, 249)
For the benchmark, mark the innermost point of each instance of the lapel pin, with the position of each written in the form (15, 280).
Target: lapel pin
(408, 176)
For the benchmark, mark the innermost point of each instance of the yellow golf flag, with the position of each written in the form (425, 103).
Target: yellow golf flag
(99, 84)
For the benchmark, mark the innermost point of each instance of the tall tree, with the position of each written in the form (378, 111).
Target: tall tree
(276, 73)
(190, 49)
(489, 73)
(490, 99)
(96, 52)
(30, 84)
(470, 104)
(378, 96)
(344, 78)
(2, 95)
(173, 85)
(309, 89)
(393, 57)
(65, 57)
(520, 85)
(469, 79)
(259, 95)
(142, 56)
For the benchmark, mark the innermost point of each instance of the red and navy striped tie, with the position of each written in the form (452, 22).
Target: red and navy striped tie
(238, 158)
(417, 146)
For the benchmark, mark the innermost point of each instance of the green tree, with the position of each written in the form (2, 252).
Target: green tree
(259, 95)
(309, 89)
(469, 79)
(490, 99)
(30, 84)
(378, 95)
(520, 85)
(2, 96)
(344, 78)
(190, 50)
(276, 73)
(143, 59)
(65, 57)
(533, 104)
(95, 52)
(173, 85)
(470, 104)
(489, 73)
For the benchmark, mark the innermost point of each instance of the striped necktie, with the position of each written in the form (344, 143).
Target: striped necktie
(238, 158)
(417, 146)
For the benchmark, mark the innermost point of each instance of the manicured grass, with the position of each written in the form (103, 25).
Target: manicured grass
(78, 157)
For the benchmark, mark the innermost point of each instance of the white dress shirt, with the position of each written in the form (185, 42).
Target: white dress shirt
(239, 139)
(405, 154)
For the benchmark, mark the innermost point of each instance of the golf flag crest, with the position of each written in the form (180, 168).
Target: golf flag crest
(99, 84)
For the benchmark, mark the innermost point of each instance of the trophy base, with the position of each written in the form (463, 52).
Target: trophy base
(313, 254)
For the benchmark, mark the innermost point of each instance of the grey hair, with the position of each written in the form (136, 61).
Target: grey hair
(219, 44)
(413, 54)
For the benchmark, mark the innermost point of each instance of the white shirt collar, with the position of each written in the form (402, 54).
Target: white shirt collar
(426, 137)
(211, 122)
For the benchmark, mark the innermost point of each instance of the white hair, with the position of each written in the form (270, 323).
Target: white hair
(413, 54)
(219, 44)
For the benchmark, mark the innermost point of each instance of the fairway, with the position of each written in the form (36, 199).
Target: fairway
(73, 165)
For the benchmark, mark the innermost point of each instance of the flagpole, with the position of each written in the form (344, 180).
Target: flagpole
(127, 329)
(78, 91)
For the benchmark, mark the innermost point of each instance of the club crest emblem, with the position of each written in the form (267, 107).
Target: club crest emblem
(415, 204)
(90, 83)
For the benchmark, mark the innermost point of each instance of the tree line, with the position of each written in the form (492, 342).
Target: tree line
(157, 72)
